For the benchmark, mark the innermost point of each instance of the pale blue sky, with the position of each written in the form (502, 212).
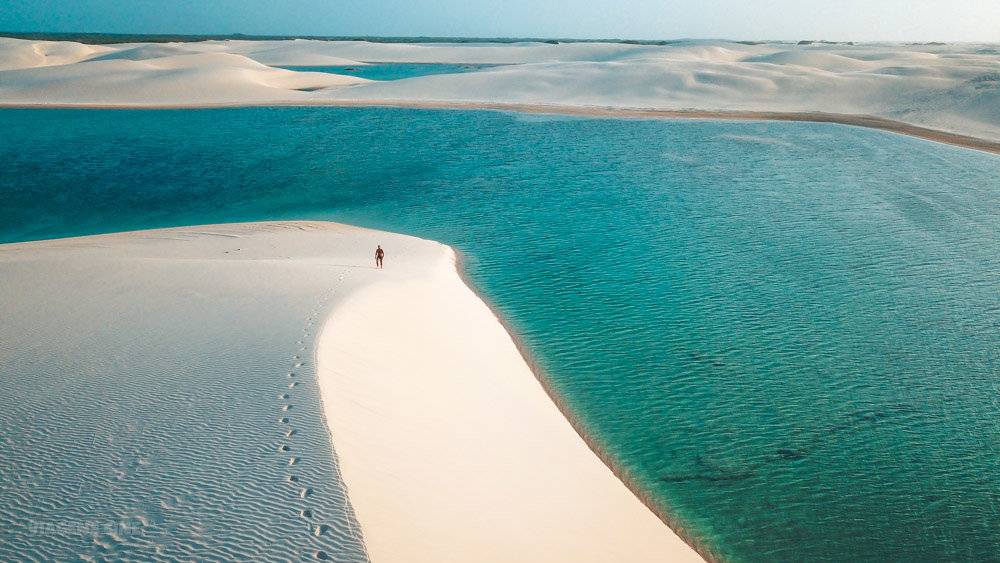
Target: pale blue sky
(857, 20)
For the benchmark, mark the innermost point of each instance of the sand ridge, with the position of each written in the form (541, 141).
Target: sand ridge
(951, 88)
(451, 449)
(444, 445)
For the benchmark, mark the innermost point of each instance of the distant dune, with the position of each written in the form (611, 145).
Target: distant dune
(15, 53)
(953, 88)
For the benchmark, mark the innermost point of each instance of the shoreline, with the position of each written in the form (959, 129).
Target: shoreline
(481, 464)
(856, 120)
(560, 402)
(456, 411)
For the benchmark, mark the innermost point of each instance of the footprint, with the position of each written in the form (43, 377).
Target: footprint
(306, 513)
(293, 460)
(289, 433)
(283, 396)
(284, 448)
(293, 479)
(290, 374)
(322, 556)
(292, 385)
(286, 408)
(298, 364)
(303, 493)
(320, 530)
(283, 420)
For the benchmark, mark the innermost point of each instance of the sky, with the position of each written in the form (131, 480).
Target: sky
(834, 20)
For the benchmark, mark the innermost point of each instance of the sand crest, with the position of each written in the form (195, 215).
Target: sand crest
(947, 88)
(451, 449)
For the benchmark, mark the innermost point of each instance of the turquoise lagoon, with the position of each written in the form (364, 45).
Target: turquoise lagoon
(787, 333)
(393, 71)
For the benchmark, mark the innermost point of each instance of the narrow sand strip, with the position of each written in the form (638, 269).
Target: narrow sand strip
(866, 121)
(451, 449)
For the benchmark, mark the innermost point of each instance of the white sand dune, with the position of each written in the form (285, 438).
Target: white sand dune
(145, 373)
(450, 448)
(16, 53)
(298, 52)
(814, 59)
(956, 93)
(295, 51)
(188, 79)
(953, 88)
(143, 52)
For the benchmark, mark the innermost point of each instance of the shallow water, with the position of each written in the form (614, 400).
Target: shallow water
(393, 71)
(786, 332)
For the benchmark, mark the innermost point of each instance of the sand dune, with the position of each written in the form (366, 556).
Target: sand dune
(143, 52)
(16, 53)
(139, 78)
(952, 88)
(956, 93)
(298, 52)
(449, 447)
(478, 53)
(813, 59)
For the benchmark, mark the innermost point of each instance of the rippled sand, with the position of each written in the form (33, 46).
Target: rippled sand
(161, 397)
(162, 402)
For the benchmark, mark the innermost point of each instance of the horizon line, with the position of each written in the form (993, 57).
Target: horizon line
(171, 37)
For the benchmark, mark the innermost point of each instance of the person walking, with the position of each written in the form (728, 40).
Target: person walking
(379, 254)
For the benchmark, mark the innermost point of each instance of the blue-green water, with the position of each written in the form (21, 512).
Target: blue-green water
(787, 333)
(393, 71)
